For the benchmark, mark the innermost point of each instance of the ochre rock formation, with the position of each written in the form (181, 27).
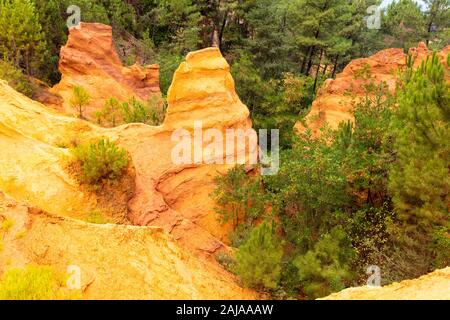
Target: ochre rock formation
(174, 198)
(433, 286)
(31, 160)
(116, 261)
(334, 99)
(171, 196)
(177, 197)
(89, 59)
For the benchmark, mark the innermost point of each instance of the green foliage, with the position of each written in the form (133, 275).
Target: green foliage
(79, 100)
(34, 283)
(239, 198)
(308, 188)
(258, 261)
(110, 113)
(168, 63)
(101, 161)
(225, 260)
(366, 144)
(21, 38)
(326, 268)
(16, 79)
(370, 232)
(441, 247)
(54, 30)
(151, 113)
(96, 217)
(437, 17)
(419, 179)
(404, 23)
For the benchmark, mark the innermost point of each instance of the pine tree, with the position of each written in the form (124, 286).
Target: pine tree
(259, 258)
(404, 23)
(420, 179)
(80, 98)
(437, 21)
(21, 38)
(326, 268)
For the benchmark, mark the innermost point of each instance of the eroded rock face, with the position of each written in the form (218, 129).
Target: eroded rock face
(333, 103)
(433, 286)
(171, 197)
(115, 261)
(175, 197)
(89, 59)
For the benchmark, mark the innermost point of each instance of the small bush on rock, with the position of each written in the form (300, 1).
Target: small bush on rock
(101, 161)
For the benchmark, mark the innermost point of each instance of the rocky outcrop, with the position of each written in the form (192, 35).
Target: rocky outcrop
(115, 261)
(203, 89)
(433, 286)
(89, 59)
(175, 197)
(334, 99)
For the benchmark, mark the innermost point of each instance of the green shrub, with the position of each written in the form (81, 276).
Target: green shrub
(326, 268)
(225, 260)
(110, 113)
(96, 217)
(16, 79)
(151, 113)
(441, 246)
(34, 283)
(239, 198)
(258, 261)
(101, 161)
(79, 100)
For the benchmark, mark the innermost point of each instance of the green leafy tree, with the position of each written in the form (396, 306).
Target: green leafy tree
(404, 23)
(366, 143)
(437, 17)
(420, 179)
(21, 38)
(16, 78)
(151, 112)
(239, 198)
(110, 114)
(310, 185)
(79, 100)
(326, 268)
(258, 261)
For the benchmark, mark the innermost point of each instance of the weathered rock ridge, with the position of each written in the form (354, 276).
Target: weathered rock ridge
(433, 286)
(333, 103)
(115, 261)
(89, 59)
(173, 197)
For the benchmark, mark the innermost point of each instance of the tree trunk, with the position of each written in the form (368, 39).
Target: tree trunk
(333, 75)
(215, 38)
(312, 49)
(429, 32)
(318, 71)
